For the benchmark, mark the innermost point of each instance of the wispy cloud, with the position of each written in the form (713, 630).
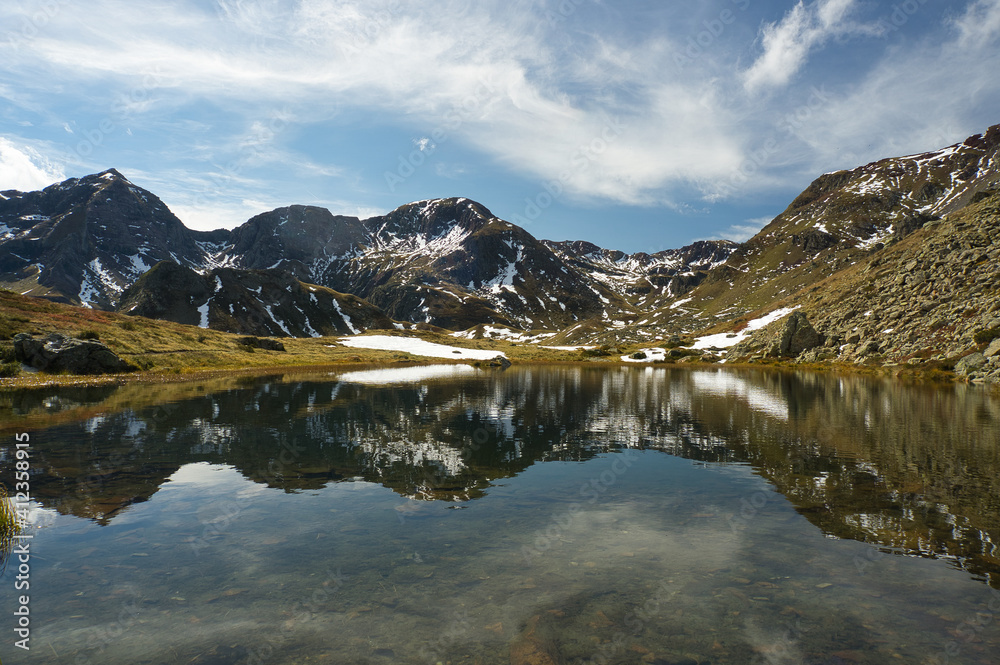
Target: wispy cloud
(787, 44)
(741, 232)
(980, 24)
(934, 92)
(486, 73)
(594, 104)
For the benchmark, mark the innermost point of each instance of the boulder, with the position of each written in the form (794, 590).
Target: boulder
(500, 361)
(788, 337)
(871, 347)
(58, 353)
(970, 363)
(797, 335)
(993, 349)
(258, 343)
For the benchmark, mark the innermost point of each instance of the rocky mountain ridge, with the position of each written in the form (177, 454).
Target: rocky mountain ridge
(444, 262)
(929, 299)
(891, 262)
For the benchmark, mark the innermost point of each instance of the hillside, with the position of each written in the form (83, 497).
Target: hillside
(445, 262)
(844, 217)
(931, 298)
(249, 302)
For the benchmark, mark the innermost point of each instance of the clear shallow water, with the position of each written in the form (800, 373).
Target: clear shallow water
(555, 515)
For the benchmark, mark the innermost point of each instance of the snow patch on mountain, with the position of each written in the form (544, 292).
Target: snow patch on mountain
(347, 319)
(726, 340)
(203, 314)
(278, 321)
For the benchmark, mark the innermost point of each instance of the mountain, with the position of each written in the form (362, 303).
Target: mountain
(929, 299)
(840, 221)
(907, 239)
(249, 302)
(84, 240)
(444, 262)
(843, 217)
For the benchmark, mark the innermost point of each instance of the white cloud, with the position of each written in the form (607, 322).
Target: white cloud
(486, 74)
(217, 214)
(602, 114)
(788, 43)
(25, 169)
(980, 24)
(928, 94)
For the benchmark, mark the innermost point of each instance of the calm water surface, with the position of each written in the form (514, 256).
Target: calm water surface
(533, 516)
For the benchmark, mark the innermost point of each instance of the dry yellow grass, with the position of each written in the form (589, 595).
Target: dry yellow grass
(168, 351)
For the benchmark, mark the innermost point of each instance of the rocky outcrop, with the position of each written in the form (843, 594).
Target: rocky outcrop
(58, 353)
(788, 337)
(258, 343)
(931, 299)
(971, 363)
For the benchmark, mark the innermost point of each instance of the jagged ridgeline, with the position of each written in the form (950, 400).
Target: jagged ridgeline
(100, 242)
(103, 242)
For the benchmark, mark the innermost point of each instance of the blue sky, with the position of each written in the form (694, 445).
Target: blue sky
(636, 125)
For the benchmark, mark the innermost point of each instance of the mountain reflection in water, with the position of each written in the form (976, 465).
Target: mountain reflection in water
(910, 469)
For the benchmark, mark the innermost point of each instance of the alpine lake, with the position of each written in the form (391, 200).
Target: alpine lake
(538, 515)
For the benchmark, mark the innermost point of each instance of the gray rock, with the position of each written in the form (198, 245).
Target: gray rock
(797, 335)
(258, 343)
(788, 337)
(58, 353)
(993, 349)
(500, 361)
(970, 363)
(869, 348)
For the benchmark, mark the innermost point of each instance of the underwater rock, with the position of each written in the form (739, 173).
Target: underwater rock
(530, 649)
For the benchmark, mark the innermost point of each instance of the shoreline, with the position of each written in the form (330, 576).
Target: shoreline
(33, 380)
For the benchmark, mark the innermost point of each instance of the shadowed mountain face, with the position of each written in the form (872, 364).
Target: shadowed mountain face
(902, 468)
(248, 302)
(84, 240)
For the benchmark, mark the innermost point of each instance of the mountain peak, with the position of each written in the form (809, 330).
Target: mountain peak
(452, 206)
(107, 176)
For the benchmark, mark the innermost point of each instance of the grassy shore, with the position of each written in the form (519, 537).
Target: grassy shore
(169, 352)
(166, 351)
